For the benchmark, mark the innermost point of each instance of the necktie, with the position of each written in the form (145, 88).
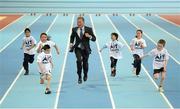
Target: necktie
(81, 36)
(81, 33)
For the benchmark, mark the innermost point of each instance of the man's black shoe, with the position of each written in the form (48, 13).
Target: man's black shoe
(79, 81)
(85, 78)
(47, 91)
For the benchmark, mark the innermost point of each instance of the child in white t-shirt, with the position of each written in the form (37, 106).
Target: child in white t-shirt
(44, 40)
(45, 66)
(137, 47)
(115, 52)
(160, 59)
(28, 46)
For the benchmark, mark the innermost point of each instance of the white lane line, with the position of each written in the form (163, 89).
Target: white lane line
(104, 71)
(160, 28)
(150, 38)
(7, 92)
(52, 24)
(12, 22)
(63, 67)
(20, 72)
(165, 98)
(17, 36)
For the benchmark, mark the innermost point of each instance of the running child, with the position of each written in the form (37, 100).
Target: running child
(45, 66)
(137, 46)
(160, 59)
(45, 40)
(115, 52)
(28, 46)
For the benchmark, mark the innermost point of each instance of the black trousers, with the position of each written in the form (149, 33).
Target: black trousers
(137, 63)
(113, 62)
(27, 59)
(82, 61)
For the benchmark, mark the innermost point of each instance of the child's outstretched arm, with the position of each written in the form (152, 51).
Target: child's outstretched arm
(39, 49)
(143, 46)
(121, 45)
(151, 53)
(145, 55)
(132, 45)
(22, 45)
(57, 49)
(105, 46)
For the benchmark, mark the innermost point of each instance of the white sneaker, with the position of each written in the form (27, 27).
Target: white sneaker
(155, 79)
(161, 89)
(134, 71)
(138, 75)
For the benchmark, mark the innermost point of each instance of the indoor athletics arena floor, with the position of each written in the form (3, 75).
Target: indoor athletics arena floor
(101, 90)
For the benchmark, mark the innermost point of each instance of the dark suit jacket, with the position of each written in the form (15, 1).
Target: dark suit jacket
(84, 40)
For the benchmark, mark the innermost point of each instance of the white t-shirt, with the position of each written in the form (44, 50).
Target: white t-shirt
(159, 57)
(28, 41)
(115, 49)
(136, 44)
(45, 59)
(50, 43)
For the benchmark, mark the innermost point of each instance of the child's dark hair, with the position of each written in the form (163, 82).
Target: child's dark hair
(139, 30)
(115, 34)
(27, 29)
(162, 41)
(48, 38)
(45, 47)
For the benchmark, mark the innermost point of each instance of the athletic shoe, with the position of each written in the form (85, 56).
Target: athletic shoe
(26, 73)
(85, 77)
(47, 91)
(134, 71)
(161, 89)
(155, 79)
(138, 75)
(79, 81)
(113, 74)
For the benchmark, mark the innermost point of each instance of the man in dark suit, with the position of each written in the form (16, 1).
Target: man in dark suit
(82, 35)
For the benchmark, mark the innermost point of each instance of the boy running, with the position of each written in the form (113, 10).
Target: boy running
(115, 52)
(28, 46)
(45, 66)
(160, 59)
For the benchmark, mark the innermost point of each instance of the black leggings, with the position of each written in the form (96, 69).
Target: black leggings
(27, 59)
(137, 63)
(113, 62)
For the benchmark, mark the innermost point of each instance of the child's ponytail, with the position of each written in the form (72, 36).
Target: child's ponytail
(48, 38)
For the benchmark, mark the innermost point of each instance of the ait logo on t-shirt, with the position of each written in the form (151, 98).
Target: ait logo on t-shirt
(46, 59)
(114, 47)
(28, 43)
(160, 57)
(137, 45)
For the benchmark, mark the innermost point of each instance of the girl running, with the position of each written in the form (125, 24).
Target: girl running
(137, 47)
